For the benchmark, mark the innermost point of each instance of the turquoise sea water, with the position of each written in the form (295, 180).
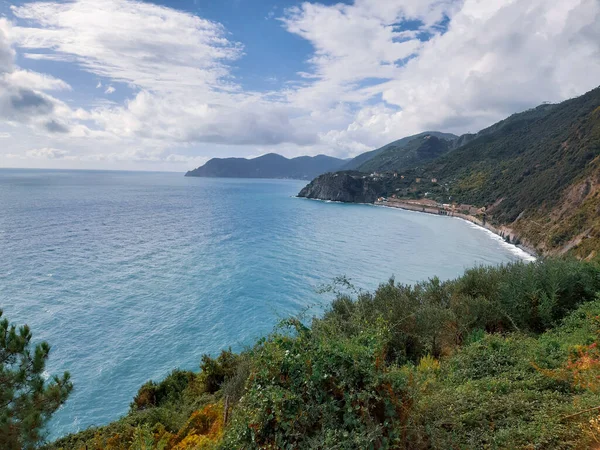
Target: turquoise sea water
(129, 275)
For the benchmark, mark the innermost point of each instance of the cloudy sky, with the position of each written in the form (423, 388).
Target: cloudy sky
(166, 85)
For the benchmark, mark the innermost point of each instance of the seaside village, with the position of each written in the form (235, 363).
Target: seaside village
(433, 207)
(425, 204)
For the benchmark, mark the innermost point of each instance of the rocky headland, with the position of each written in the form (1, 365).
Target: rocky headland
(342, 187)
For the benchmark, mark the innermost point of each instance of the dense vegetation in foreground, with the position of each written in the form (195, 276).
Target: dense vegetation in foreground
(502, 357)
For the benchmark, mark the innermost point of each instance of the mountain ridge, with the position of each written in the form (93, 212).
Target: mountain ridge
(270, 165)
(416, 150)
(535, 174)
(358, 161)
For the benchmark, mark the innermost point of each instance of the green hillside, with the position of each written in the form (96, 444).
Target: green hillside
(270, 165)
(538, 171)
(400, 152)
(416, 152)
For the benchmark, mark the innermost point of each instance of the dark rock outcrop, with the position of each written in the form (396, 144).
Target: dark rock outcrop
(342, 187)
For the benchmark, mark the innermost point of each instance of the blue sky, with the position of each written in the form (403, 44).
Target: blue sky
(139, 85)
(272, 55)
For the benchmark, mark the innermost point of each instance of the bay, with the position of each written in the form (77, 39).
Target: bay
(129, 275)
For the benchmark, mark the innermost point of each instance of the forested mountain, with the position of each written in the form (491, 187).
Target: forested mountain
(375, 159)
(536, 172)
(268, 166)
(413, 153)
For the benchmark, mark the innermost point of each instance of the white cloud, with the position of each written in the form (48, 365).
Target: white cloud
(152, 47)
(500, 58)
(23, 97)
(495, 58)
(184, 119)
(177, 64)
(4, 135)
(380, 70)
(47, 153)
(32, 80)
(354, 43)
(7, 54)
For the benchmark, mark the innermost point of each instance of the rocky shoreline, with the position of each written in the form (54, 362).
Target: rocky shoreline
(342, 187)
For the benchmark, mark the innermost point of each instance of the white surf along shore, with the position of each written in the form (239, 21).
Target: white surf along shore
(523, 252)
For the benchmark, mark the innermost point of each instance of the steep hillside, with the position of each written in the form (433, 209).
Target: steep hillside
(573, 223)
(415, 152)
(537, 173)
(395, 147)
(268, 166)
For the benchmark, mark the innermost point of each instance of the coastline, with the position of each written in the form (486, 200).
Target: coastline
(525, 253)
(528, 253)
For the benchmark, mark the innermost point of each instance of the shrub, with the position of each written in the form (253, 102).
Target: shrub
(214, 371)
(503, 357)
(314, 389)
(170, 390)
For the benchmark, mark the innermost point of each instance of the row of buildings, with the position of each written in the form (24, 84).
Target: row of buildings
(431, 206)
(376, 176)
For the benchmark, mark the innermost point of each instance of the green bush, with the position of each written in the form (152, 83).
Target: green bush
(215, 371)
(503, 357)
(496, 392)
(312, 389)
(433, 317)
(457, 364)
(170, 390)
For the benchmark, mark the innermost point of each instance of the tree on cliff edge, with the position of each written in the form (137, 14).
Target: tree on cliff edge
(27, 401)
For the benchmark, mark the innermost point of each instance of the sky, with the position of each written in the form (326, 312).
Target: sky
(167, 85)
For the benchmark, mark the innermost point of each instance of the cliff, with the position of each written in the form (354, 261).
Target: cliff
(342, 187)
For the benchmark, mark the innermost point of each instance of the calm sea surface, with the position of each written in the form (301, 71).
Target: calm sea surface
(129, 275)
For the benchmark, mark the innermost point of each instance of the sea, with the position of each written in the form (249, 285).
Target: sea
(129, 275)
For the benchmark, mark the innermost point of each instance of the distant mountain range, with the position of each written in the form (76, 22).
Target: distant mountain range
(270, 165)
(405, 152)
(537, 173)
